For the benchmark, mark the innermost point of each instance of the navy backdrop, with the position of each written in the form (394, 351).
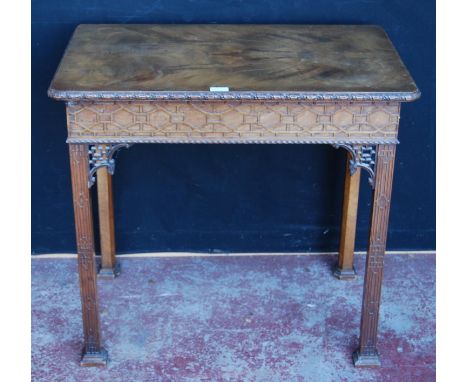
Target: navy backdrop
(234, 197)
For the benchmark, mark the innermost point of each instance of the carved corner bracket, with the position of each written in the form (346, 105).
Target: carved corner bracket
(362, 156)
(101, 155)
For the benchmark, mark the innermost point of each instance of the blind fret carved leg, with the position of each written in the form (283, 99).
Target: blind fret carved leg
(110, 268)
(367, 354)
(93, 354)
(345, 269)
(102, 166)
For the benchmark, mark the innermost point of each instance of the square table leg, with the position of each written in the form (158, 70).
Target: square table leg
(93, 353)
(110, 268)
(345, 269)
(367, 354)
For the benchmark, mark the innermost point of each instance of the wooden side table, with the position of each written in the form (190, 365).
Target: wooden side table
(270, 84)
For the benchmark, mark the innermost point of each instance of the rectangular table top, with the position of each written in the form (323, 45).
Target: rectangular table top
(268, 62)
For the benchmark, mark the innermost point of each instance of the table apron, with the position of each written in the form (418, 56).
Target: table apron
(233, 122)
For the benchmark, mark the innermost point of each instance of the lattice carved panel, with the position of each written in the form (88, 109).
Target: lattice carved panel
(233, 121)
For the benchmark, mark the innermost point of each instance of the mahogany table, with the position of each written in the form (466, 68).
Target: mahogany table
(270, 84)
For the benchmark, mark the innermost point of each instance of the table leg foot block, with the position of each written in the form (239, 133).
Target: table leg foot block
(109, 273)
(345, 273)
(94, 358)
(366, 360)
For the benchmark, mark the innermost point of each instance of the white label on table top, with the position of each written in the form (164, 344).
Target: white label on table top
(219, 89)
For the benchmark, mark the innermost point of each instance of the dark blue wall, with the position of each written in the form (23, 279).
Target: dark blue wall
(234, 197)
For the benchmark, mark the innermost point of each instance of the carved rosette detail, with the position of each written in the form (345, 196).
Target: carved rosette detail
(362, 156)
(102, 156)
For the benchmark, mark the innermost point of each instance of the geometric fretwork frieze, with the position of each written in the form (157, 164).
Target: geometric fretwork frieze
(233, 122)
(102, 156)
(363, 157)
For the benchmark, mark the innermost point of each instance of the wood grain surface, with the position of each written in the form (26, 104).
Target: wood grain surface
(131, 61)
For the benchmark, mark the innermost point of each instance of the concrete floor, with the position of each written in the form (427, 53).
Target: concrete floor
(256, 318)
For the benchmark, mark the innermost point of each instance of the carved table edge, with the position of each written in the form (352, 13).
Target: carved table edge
(375, 141)
(82, 95)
